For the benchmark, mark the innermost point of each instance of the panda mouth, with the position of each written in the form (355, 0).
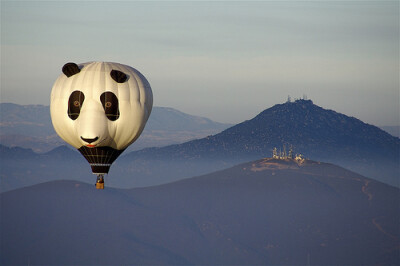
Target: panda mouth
(91, 142)
(95, 145)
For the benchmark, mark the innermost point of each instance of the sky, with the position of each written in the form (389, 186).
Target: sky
(225, 60)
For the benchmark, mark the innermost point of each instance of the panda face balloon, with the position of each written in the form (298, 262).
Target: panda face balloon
(100, 108)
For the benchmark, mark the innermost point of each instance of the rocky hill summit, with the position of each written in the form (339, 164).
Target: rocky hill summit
(313, 130)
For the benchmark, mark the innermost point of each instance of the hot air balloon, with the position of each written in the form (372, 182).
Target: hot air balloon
(100, 108)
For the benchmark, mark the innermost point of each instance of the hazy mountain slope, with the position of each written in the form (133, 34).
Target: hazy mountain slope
(29, 126)
(167, 126)
(22, 167)
(17, 119)
(313, 131)
(266, 212)
(392, 130)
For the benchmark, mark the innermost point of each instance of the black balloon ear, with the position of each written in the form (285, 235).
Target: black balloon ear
(70, 69)
(118, 76)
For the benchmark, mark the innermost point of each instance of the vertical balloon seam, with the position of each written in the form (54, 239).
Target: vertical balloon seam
(142, 87)
(115, 87)
(134, 79)
(71, 84)
(137, 79)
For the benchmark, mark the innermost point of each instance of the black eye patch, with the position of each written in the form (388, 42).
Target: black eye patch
(118, 76)
(75, 102)
(110, 105)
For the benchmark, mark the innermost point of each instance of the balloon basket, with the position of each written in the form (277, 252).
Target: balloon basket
(100, 181)
(100, 185)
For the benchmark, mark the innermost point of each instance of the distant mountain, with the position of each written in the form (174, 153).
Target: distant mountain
(21, 167)
(16, 153)
(169, 126)
(29, 126)
(266, 212)
(21, 119)
(317, 133)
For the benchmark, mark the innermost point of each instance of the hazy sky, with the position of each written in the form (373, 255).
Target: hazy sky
(224, 60)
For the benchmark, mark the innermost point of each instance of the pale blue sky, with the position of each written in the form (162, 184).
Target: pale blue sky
(224, 60)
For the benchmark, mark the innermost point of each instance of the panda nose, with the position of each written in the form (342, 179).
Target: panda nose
(89, 140)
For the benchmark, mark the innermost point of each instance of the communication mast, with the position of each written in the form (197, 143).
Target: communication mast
(291, 152)
(283, 155)
(274, 153)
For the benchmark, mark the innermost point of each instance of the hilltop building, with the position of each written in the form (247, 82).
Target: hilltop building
(282, 155)
(289, 99)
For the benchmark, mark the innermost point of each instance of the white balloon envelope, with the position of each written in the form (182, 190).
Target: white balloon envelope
(100, 108)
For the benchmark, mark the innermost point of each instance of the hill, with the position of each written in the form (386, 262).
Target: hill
(29, 126)
(319, 134)
(266, 212)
